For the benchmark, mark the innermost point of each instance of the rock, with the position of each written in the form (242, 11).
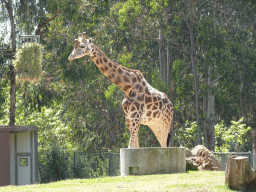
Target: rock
(197, 149)
(191, 165)
(188, 152)
(205, 159)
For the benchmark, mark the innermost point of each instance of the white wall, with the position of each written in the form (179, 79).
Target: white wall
(23, 142)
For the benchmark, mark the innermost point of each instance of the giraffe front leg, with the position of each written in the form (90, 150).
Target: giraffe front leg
(133, 119)
(134, 142)
(134, 139)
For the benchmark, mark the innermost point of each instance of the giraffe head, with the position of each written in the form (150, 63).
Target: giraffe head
(82, 47)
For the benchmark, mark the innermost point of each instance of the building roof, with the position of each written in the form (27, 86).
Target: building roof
(8, 128)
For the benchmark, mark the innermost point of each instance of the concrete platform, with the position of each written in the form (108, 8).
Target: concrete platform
(156, 160)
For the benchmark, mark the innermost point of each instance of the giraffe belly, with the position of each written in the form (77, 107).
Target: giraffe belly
(149, 120)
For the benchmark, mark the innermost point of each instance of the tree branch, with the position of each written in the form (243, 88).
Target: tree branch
(38, 30)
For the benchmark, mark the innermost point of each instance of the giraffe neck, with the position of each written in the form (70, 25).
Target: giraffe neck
(119, 75)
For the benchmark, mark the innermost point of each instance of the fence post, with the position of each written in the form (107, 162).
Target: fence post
(74, 168)
(109, 155)
(254, 148)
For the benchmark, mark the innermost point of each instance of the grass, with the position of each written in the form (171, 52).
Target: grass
(190, 181)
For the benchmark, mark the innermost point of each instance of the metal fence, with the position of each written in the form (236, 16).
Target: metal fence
(63, 165)
(88, 165)
(58, 165)
(223, 157)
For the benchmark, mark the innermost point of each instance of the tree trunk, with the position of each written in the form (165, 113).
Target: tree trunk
(12, 77)
(193, 61)
(161, 53)
(209, 128)
(168, 62)
(8, 5)
(239, 172)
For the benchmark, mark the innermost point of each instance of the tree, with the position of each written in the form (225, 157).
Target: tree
(9, 6)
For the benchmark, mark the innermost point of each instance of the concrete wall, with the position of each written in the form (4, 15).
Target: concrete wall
(144, 161)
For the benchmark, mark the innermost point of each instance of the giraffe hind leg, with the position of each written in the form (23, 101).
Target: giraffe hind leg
(161, 133)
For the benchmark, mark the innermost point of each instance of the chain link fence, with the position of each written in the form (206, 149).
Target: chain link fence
(59, 165)
(223, 157)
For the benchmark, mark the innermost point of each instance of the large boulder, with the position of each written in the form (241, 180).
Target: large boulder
(204, 158)
(191, 165)
(188, 152)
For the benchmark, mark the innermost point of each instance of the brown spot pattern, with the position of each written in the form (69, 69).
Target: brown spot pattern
(149, 106)
(147, 91)
(134, 114)
(120, 71)
(102, 69)
(160, 105)
(155, 114)
(118, 81)
(126, 87)
(154, 107)
(133, 108)
(139, 79)
(126, 79)
(148, 99)
(137, 105)
(139, 87)
(148, 113)
(132, 94)
(140, 98)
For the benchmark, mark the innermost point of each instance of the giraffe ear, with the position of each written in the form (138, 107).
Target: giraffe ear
(80, 35)
(77, 43)
(90, 40)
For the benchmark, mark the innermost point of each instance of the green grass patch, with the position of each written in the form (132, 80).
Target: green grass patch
(190, 181)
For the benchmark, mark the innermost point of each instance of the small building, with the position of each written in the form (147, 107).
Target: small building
(18, 155)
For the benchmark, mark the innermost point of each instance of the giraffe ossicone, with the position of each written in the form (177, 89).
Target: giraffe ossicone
(142, 103)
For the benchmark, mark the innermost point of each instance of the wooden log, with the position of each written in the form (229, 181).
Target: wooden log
(239, 173)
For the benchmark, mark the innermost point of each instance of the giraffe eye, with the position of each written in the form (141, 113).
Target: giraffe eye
(82, 46)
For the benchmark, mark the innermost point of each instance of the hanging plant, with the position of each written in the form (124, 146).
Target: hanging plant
(28, 62)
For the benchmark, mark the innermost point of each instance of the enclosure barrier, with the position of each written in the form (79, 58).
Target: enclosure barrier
(60, 165)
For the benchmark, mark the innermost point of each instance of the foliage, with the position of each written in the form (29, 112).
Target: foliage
(53, 165)
(187, 135)
(231, 138)
(28, 61)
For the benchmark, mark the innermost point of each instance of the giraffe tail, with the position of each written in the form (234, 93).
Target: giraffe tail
(169, 138)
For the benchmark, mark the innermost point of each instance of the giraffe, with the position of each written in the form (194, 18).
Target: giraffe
(142, 104)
